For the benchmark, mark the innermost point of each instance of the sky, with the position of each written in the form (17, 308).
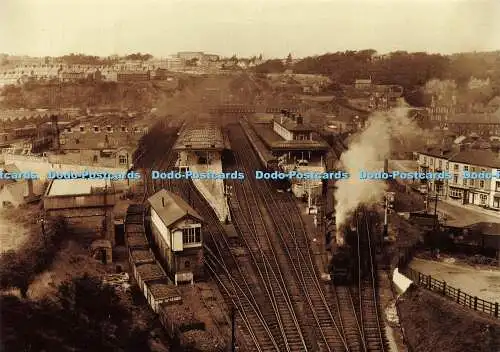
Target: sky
(246, 27)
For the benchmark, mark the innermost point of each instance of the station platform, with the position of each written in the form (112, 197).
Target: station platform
(212, 190)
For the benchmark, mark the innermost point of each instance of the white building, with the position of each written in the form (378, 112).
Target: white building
(177, 231)
(479, 191)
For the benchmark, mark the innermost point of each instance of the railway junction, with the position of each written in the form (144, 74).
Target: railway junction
(263, 261)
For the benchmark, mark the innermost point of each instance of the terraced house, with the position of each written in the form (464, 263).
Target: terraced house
(481, 191)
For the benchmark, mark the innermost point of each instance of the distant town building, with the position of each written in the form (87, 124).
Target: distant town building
(125, 76)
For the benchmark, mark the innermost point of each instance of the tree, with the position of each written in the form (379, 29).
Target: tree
(289, 60)
(86, 316)
(270, 66)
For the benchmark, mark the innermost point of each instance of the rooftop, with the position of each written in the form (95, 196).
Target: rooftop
(61, 187)
(142, 255)
(293, 123)
(162, 290)
(487, 228)
(475, 118)
(149, 272)
(274, 141)
(202, 136)
(137, 240)
(171, 208)
(476, 157)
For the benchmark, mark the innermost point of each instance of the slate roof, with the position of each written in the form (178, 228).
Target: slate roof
(174, 210)
(477, 157)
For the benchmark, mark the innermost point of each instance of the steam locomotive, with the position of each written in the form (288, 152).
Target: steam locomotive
(343, 262)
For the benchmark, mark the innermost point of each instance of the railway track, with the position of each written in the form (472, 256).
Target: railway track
(250, 221)
(374, 338)
(295, 251)
(232, 275)
(229, 272)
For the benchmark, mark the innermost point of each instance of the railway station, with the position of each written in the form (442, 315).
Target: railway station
(286, 142)
(200, 148)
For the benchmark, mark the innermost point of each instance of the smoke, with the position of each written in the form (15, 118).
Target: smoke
(366, 153)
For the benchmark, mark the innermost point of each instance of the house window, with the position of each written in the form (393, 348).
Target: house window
(497, 186)
(484, 199)
(481, 184)
(77, 141)
(496, 202)
(187, 264)
(122, 159)
(96, 129)
(109, 129)
(455, 179)
(454, 193)
(440, 165)
(82, 129)
(95, 159)
(466, 168)
(455, 167)
(464, 182)
(124, 129)
(191, 235)
(471, 182)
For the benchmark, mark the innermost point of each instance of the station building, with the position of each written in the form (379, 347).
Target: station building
(200, 148)
(294, 144)
(177, 232)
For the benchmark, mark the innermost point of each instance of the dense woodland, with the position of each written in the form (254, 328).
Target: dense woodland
(410, 70)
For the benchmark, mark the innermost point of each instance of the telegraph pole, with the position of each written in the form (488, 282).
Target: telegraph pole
(389, 201)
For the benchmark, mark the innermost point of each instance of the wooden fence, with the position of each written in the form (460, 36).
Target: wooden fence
(455, 294)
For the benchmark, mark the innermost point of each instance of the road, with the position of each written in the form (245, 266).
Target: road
(484, 284)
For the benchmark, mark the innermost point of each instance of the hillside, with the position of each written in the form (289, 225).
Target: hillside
(434, 323)
(89, 94)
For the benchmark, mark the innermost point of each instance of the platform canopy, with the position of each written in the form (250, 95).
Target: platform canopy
(201, 136)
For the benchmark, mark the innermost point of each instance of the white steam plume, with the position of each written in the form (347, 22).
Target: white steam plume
(366, 153)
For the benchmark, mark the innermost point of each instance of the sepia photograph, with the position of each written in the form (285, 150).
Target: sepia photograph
(249, 175)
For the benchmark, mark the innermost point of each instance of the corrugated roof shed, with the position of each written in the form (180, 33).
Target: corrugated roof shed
(171, 208)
